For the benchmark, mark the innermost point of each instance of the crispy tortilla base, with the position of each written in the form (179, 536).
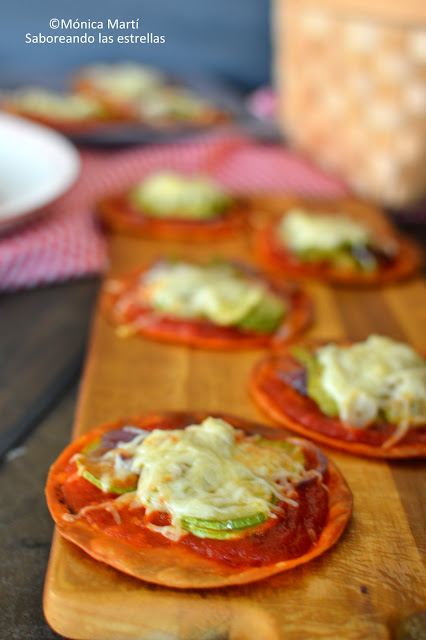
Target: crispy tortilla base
(273, 395)
(204, 334)
(275, 259)
(175, 566)
(119, 214)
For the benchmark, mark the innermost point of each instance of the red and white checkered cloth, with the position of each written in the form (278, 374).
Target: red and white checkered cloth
(66, 243)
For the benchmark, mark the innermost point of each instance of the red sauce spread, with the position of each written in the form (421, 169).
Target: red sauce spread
(274, 381)
(289, 535)
(282, 257)
(179, 326)
(122, 213)
(293, 535)
(77, 492)
(126, 308)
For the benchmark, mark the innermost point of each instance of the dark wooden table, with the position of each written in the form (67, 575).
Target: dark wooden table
(43, 334)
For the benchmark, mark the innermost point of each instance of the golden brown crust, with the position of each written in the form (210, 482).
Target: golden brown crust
(203, 334)
(269, 390)
(278, 261)
(179, 567)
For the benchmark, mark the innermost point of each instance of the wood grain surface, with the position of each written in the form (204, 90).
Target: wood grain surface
(362, 588)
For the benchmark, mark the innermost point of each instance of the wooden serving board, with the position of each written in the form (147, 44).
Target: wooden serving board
(362, 588)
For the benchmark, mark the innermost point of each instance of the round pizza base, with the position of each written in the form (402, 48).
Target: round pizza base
(178, 567)
(274, 409)
(280, 262)
(205, 335)
(120, 215)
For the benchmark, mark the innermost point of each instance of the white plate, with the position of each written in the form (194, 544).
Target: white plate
(37, 166)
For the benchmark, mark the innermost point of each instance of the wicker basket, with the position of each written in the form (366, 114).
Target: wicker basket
(351, 84)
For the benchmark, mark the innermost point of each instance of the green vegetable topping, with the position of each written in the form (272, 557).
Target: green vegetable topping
(314, 386)
(170, 195)
(221, 529)
(266, 315)
(100, 471)
(355, 258)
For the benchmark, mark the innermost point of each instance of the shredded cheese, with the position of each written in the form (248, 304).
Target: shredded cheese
(217, 292)
(204, 472)
(302, 231)
(171, 194)
(207, 471)
(376, 378)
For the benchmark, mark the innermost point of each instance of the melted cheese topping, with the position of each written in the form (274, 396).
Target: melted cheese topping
(170, 102)
(217, 292)
(126, 80)
(302, 231)
(167, 193)
(209, 473)
(49, 103)
(204, 472)
(375, 377)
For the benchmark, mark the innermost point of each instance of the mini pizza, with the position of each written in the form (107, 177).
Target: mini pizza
(218, 305)
(118, 85)
(190, 500)
(341, 241)
(171, 206)
(173, 106)
(147, 96)
(125, 80)
(67, 112)
(368, 398)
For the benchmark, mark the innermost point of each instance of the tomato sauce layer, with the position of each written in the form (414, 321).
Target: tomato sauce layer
(284, 258)
(293, 535)
(288, 536)
(274, 379)
(124, 308)
(120, 213)
(277, 258)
